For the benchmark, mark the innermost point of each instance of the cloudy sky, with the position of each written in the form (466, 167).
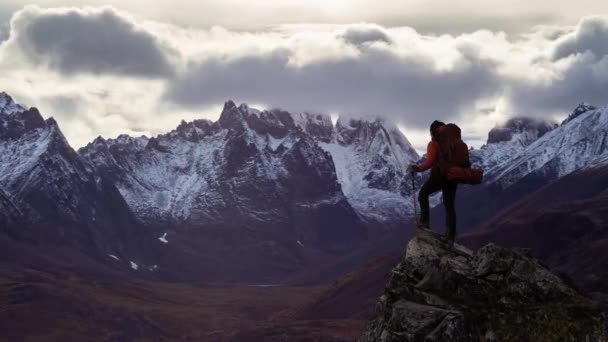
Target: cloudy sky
(112, 67)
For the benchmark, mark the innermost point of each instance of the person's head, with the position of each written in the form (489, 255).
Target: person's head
(434, 126)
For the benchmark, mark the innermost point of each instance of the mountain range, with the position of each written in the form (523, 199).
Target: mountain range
(271, 197)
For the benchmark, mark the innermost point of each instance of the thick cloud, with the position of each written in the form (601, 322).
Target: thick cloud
(129, 80)
(358, 35)
(584, 79)
(96, 41)
(590, 36)
(575, 71)
(375, 82)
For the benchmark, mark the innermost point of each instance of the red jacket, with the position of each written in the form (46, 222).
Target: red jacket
(432, 155)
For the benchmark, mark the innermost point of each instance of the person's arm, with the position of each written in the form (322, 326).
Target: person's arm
(431, 157)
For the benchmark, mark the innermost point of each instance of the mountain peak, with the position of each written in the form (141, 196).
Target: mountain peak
(8, 105)
(231, 116)
(580, 109)
(228, 105)
(351, 129)
(535, 128)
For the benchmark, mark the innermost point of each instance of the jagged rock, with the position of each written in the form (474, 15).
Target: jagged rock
(580, 109)
(443, 293)
(8, 106)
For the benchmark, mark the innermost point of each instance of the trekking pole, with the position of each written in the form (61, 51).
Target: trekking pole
(415, 205)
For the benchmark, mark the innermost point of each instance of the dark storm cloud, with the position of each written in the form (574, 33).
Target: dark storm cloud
(583, 77)
(358, 35)
(92, 40)
(591, 35)
(377, 82)
(585, 80)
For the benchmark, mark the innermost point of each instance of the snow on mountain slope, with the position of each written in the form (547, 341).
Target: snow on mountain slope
(371, 159)
(63, 200)
(8, 105)
(507, 140)
(250, 168)
(240, 169)
(580, 142)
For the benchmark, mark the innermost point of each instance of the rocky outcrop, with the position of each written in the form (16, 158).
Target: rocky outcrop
(443, 293)
(580, 109)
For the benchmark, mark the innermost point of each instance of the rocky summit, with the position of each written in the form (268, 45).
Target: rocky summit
(440, 292)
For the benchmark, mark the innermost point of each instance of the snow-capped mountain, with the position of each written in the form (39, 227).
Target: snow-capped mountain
(8, 105)
(57, 196)
(256, 190)
(250, 168)
(505, 141)
(255, 167)
(580, 142)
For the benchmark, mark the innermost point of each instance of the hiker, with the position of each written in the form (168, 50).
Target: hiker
(439, 159)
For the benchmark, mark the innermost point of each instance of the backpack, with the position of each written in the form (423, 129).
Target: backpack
(454, 157)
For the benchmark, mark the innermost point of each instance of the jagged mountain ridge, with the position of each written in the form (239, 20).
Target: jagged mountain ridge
(578, 143)
(243, 170)
(364, 156)
(272, 193)
(525, 148)
(53, 196)
(327, 183)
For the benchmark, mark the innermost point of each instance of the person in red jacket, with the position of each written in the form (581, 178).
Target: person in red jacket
(436, 182)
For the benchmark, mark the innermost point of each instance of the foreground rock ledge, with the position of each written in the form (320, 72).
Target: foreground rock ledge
(443, 293)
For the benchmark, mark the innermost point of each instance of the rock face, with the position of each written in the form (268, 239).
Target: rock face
(442, 293)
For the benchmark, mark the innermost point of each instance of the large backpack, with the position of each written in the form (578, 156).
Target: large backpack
(454, 157)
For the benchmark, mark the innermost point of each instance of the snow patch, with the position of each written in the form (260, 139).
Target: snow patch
(113, 256)
(163, 238)
(133, 265)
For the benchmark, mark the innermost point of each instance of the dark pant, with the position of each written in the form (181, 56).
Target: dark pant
(448, 189)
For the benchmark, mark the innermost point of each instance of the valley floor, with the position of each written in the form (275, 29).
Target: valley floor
(57, 305)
